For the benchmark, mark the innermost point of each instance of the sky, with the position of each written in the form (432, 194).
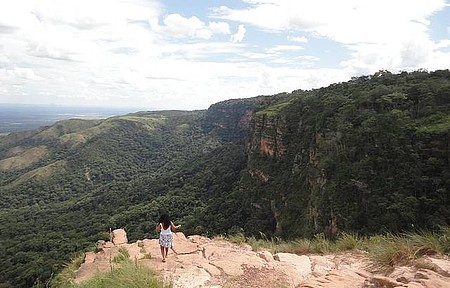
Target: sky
(188, 55)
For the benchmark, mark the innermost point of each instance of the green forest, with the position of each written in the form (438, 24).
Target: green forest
(366, 156)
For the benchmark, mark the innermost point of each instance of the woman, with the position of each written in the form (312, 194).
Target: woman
(165, 227)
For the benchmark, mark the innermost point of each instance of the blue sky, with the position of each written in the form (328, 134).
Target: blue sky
(179, 54)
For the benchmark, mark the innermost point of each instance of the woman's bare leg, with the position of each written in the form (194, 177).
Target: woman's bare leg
(162, 253)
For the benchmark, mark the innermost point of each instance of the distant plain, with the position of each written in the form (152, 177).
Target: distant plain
(20, 117)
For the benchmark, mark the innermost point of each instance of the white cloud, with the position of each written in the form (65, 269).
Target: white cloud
(85, 34)
(178, 26)
(306, 61)
(4, 61)
(442, 44)
(400, 27)
(15, 14)
(282, 48)
(240, 34)
(415, 53)
(23, 73)
(301, 39)
(87, 14)
(219, 27)
(328, 18)
(262, 15)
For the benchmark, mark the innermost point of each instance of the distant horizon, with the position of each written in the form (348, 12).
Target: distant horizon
(132, 109)
(21, 117)
(72, 106)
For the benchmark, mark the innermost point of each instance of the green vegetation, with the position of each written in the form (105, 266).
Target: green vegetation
(127, 275)
(388, 251)
(365, 157)
(274, 109)
(438, 123)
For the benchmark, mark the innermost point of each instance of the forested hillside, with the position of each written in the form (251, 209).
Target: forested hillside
(370, 155)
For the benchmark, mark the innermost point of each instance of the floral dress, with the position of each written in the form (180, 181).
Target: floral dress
(165, 237)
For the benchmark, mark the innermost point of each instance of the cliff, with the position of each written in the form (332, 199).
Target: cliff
(205, 262)
(338, 158)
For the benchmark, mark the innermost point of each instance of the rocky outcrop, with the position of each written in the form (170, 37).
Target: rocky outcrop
(119, 237)
(203, 262)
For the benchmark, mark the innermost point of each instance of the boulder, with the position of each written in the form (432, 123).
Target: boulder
(119, 236)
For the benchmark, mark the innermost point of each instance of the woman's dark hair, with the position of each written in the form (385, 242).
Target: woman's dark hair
(165, 220)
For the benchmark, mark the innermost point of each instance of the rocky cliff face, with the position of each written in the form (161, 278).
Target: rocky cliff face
(235, 119)
(230, 119)
(266, 136)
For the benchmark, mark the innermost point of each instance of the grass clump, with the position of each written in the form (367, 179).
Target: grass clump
(237, 238)
(348, 241)
(388, 251)
(298, 246)
(444, 239)
(122, 256)
(125, 276)
(272, 244)
(321, 245)
(258, 244)
(67, 275)
(426, 243)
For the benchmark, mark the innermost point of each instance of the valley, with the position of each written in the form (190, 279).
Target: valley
(368, 156)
